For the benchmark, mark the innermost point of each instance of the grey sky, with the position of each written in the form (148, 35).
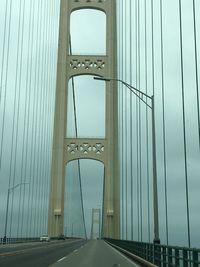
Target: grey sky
(128, 71)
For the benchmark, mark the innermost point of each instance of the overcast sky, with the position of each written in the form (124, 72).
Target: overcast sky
(90, 99)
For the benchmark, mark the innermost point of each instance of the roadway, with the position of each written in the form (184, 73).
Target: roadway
(37, 254)
(95, 253)
(69, 253)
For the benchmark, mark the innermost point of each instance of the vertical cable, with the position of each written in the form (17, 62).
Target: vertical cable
(26, 118)
(29, 134)
(3, 51)
(33, 126)
(42, 123)
(1, 80)
(6, 80)
(37, 122)
(147, 126)
(196, 66)
(125, 125)
(18, 111)
(50, 86)
(152, 46)
(122, 116)
(12, 171)
(36, 135)
(47, 104)
(76, 134)
(163, 117)
(139, 124)
(119, 102)
(131, 118)
(184, 125)
(6, 83)
(136, 121)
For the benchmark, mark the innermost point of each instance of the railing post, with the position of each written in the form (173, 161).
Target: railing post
(164, 256)
(169, 258)
(157, 255)
(177, 260)
(151, 253)
(159, 248)
(185, 257)
(195, 258)
(146, 251)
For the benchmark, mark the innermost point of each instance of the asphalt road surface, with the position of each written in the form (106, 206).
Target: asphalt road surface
(95, 253)
(37, 254)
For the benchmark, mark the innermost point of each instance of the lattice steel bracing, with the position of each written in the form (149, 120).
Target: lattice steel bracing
(66, 149)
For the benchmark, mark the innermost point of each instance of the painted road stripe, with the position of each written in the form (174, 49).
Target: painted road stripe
(61, 259)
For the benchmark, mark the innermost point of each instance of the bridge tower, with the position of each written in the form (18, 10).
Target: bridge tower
(67, 149)
(96, 223)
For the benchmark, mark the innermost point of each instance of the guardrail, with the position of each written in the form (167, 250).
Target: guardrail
(161, 255)
(4, 241)
(18, 240)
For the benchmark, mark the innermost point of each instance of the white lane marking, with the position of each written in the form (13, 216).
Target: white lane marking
(61, 259)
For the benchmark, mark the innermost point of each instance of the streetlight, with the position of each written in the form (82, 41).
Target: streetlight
(11, 189)
(155, 189)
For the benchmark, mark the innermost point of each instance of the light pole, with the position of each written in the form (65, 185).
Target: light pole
(155, 187)
(7, 206)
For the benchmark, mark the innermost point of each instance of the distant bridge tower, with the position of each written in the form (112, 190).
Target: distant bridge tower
(67, 149)
(96, 224)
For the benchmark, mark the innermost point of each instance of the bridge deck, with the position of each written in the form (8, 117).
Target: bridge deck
(95, 253)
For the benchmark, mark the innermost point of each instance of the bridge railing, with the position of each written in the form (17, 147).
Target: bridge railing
(29, 239)
(160, 255)
(18, 240)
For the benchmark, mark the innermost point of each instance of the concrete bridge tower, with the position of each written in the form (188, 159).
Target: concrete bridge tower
(67, 149)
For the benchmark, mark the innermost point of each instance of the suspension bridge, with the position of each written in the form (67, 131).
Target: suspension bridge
(99, 133)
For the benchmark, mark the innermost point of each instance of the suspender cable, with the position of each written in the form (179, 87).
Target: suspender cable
(147, 126)
(136, 121)
(12, 173)
(29, 136)
(139, 124)
(34, 123)
(49, 110)
(6, 83)
(119, 104)
(196, 66)
(18, 113)
(42, 124)
(38, 119)
(102, 220)
(52, 59)
(76, 134)
(26, 119)
(122, 116)
(3, 51)
(164, 128)
(50, 62)
(152, 45)
(125, 123)
(184, 125)
(131, 118)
